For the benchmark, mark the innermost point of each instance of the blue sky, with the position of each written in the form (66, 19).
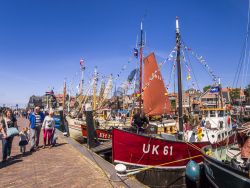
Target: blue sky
(42, 41)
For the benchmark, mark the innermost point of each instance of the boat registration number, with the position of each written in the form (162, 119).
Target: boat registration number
(154, 149)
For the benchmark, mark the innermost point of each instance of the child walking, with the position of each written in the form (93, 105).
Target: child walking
(24, 139)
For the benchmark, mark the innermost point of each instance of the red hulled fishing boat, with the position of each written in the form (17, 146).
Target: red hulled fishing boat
(164, 152)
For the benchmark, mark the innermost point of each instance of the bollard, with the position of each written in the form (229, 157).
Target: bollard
(90, 127)
(62, 116)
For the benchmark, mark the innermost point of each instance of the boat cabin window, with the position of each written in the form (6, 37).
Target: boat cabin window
(247, 108)
(221, 113)
(218, 136)
(222, 135)
(212, 113)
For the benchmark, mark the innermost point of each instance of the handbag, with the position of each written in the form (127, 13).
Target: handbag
(12, 131)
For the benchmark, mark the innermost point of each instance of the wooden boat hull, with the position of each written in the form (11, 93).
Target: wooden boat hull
(146, 150)
(75, 129)
(76, 132)
(141, 150)
(222, 175)
(168, 158)
(102, 134)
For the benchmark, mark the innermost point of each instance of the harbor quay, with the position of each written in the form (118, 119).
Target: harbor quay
(59, 166)
(125, 94)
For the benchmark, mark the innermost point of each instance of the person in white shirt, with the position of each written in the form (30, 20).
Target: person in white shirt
(48, 128)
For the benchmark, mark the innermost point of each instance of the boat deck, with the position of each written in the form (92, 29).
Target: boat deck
(104, 147)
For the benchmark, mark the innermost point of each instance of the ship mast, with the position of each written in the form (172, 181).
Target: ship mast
(178, 60)
(64, 93)
(69, 96)
(94, 90)
(141, 44)
(82, 76)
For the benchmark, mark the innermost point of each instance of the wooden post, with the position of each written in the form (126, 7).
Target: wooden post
(90, 127)
(62, 117)
(178, 60)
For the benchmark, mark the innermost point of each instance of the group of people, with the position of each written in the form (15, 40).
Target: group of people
(37, 122)
(139, 122)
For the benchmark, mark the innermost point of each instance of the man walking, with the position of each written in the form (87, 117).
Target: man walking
(36, 120)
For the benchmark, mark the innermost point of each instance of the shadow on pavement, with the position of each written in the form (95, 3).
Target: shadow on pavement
(18, 156)
(9, 162)
(59, 144)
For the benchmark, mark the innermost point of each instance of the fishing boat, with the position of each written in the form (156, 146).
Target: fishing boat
(229, 166)
(162, 153)
(76, 118)
(75, 127)
(78, 130)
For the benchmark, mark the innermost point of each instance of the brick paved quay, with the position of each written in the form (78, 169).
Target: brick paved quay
(60, 166)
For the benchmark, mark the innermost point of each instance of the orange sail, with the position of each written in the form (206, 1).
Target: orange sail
(155, 97)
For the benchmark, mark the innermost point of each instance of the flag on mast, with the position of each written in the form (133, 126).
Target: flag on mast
(82, 64)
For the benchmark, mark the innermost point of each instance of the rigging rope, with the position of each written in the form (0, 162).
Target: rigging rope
(135, 171)
(243, 55)
(193, 72)
(203, 62)
(246, 47)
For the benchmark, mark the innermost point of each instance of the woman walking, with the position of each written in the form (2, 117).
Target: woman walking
(48, 128)
(7, 122)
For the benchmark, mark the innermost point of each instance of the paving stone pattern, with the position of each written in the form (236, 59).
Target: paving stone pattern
(60, 166)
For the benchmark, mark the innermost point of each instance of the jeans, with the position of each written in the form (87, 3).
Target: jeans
(6, 147)
(35, 136)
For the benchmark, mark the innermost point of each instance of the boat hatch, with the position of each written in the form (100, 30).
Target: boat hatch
(212, 113)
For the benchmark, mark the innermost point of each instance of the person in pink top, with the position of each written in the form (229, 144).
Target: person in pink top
(48, 128)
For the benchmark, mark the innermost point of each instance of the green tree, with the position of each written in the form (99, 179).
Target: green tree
(247, 93)
(235, 94)
(173, 104)
(206, 88)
